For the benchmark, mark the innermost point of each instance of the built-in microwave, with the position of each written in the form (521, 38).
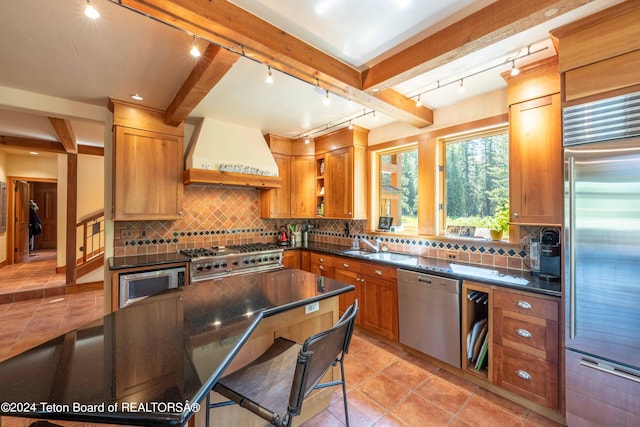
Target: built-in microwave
(135, 286)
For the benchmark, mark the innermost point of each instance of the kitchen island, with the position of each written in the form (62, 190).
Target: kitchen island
(151, 363)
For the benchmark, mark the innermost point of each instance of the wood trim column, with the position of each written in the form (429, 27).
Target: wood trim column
(72, 212)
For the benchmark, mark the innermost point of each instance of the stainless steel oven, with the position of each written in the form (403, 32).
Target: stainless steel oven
(135, 286)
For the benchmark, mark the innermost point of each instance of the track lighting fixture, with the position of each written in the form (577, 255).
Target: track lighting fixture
(195, 52)
(514, 70)
(91, 11)
(269, 78)
(350, 124)
(136, 96)
(326, 100)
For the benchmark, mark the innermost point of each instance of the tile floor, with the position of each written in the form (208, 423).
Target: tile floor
(34, 278)
(386, 386)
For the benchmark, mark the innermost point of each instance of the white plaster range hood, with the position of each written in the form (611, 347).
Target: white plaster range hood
(227, 154)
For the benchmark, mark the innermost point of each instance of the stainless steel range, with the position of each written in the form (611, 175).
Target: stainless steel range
(221, 261)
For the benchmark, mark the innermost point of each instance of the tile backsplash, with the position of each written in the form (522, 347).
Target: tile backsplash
(228, 215)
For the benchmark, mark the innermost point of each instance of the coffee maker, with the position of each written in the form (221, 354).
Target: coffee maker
(550, 255)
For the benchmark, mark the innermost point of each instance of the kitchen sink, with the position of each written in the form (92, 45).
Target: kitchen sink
(391, 256)
(358, 252)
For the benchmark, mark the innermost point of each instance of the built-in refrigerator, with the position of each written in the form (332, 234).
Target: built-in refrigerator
(602, 262)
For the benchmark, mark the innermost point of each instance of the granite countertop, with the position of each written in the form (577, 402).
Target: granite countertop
(148, 363)
(129, 261)
(506, 277)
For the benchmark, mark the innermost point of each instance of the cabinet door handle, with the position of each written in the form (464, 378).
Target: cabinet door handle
(516, 215)
(321, 267)
(523, 333)
(523, 304)
(321, 259)
(378, 272)
(345, 265)
(523, 374)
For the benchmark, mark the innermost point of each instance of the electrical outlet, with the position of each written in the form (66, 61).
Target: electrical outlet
(126, 234)
(143, 233)
(452, 255)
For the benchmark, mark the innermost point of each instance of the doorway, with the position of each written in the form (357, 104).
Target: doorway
(41, 193)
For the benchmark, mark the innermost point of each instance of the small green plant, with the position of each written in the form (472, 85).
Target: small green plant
(500, 219)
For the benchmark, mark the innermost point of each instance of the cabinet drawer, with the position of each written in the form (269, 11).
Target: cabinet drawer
(321, 259)
(532, 335)
(528, 376)
(526, 304)
(379, 271)
(346, 264)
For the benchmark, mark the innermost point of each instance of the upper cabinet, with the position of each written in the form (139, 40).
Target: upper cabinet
(147, 164)
(599, 56)
(535, 145)
(295, 199)
(341, 190)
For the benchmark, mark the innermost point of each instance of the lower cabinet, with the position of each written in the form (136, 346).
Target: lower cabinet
(377, 293)
(525, 344)
(291, 258)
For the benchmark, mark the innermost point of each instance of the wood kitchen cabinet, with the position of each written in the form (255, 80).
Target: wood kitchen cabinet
(341, 174)
(377, 291)
(147, 164)
(291, 258)
(296, 197)
(599, 55)
(380, 294)
(321, 264)
(525, 343)
(535, 145)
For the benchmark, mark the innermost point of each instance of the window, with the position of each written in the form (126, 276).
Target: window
(398, 188)
(476, 179)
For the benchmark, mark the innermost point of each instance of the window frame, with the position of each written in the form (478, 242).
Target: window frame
(430, 177)
(442, 167)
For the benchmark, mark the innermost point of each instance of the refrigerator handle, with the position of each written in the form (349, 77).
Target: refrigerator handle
(571, 241)
(610, 370)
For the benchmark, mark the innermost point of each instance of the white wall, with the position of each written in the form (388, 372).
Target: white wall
(487, 105)
(28, 166)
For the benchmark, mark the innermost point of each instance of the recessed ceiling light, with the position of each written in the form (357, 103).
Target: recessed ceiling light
(375, 89)
(33, 153)
(136, 96)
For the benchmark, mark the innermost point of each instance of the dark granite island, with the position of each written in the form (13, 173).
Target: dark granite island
(152, 362)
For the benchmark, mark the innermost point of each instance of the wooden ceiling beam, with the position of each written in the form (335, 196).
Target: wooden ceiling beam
(214, 63)
(65, 134)
(225, 24)
(31, 144)
(494, 23)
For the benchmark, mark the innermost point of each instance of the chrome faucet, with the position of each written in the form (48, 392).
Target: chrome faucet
(375, 247)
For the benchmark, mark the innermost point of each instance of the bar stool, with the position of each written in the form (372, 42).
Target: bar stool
(275, 384)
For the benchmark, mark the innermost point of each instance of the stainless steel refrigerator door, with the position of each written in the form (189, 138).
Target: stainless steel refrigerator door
(602, 250)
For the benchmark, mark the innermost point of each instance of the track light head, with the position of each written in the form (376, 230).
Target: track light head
(269, 79)
(91, 11)
(195, 52)
(514, 70)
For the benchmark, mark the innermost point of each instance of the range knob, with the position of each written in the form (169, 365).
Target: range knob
(200, 268)
(208, 266)
(224, 265)
(216, 265)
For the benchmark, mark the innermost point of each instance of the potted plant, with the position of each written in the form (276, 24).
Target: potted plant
(499, 222)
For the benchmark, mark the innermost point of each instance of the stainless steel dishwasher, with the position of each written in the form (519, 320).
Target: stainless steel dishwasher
(429, 315)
